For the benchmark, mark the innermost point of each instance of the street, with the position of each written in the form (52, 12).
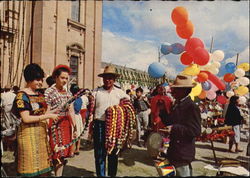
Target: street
(137, 162)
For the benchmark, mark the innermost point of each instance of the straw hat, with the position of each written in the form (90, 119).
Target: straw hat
(109, 70)
(183, 81)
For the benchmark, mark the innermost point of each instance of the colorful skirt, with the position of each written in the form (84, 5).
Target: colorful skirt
(33, 149)
(60, 134)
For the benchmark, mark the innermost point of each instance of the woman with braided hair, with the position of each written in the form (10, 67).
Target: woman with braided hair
(62, 132)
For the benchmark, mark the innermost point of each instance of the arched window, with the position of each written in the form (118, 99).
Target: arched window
(75, 10)
(75, 54)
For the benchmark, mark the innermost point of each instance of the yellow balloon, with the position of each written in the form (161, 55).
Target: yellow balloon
(241, 90)
(192, 96)
(244, 66)
(192, 69)
(196, 91)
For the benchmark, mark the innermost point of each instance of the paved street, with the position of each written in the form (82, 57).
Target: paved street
(137, 162)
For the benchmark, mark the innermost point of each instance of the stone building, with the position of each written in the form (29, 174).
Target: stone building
(50, 33)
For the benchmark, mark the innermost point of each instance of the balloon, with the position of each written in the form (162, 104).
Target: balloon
(244, 81)
(221, 99)
(229, 77)
(192, 96)
(166, 48)
(192, 69)
(229, 94)
(239, 72)
(241, 90)
(177, 48)
(156, 70)
(186, 59)
(230, 67)
(211, 95)
(202, 77)
(214, 79)
(185, 31)
(213, 87)
(206, 85)
(216, 64)
(213, 70)
(242, 100)
(218, 55)
(244, 66)
(201, 56)
(196, 90)
(192, 44)
(179, 15)
(203, 94)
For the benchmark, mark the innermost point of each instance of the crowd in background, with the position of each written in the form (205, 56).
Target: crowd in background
(152, 111)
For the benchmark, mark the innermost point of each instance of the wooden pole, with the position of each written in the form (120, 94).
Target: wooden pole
(237, 58)
(215, 159)
(211, 45)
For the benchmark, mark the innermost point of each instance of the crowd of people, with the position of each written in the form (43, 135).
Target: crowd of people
(48, 124)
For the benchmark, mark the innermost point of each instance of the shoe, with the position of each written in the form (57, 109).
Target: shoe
(77, 153)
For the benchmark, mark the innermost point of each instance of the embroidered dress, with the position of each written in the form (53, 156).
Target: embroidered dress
(60, 133)
(33, 147)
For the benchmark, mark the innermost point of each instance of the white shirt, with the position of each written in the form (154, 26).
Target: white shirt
(85, 101)
(105, 99)
(7, 100)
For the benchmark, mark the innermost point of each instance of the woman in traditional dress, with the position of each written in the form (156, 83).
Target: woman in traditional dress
(30, 106)
(60, 133)
(78, 118)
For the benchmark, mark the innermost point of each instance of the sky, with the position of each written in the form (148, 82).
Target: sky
(134, 31)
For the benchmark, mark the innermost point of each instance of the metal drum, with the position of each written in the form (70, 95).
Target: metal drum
(164, 168)
(154, 143)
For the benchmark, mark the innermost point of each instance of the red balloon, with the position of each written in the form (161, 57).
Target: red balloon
(216, 81)
(202, 77)
(229, 77)
(221, 99)
(201, 56)
(186, 59)
(185, 31)
(179, 15)
(192, 44)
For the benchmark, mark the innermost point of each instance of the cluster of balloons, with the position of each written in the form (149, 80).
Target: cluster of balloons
(236, 81)
(194, 48)
(184, 27)
(214, 65)
(176, 48)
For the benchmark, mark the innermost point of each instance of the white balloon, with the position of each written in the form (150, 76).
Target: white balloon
(214, 70)
(239, 72)
(243, 81)
(216, 64)
(218, 55)
(229, 94)
(242, 100)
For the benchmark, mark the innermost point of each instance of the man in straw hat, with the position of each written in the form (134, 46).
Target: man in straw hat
(186, 125)
(105, 96)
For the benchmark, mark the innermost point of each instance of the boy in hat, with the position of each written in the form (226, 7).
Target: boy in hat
(186, 125)
(105, 96)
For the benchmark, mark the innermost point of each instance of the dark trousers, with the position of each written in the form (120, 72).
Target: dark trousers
(100, 152)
